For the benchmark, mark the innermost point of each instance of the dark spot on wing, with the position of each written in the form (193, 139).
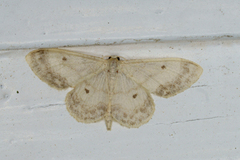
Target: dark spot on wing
(64, 58)
(135, 95)
(87, 91)
(163, 67)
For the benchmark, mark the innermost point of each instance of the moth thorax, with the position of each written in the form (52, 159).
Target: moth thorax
(113, 66)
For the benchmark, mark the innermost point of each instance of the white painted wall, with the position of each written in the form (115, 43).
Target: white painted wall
(200, 123)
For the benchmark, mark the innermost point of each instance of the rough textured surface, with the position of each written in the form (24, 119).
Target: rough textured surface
(112, 89)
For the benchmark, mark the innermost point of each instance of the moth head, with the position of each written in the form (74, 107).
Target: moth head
(114, 57)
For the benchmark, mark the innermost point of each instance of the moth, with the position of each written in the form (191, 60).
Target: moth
(112, 89)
